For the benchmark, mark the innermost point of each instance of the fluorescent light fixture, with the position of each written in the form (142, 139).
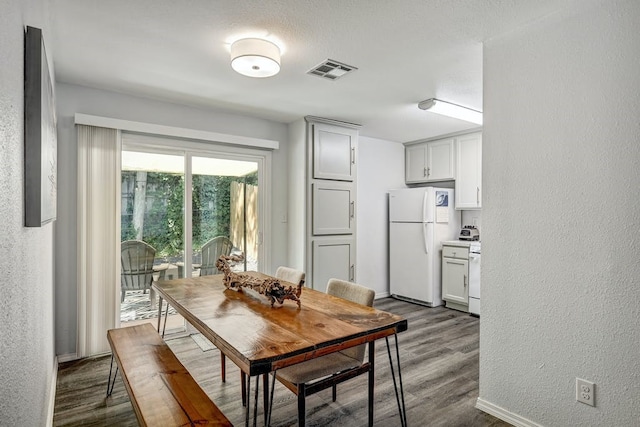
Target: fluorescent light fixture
(451, 110)
(255, 57)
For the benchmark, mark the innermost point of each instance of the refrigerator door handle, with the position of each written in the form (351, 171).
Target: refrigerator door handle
(424, 207)
(424, 234)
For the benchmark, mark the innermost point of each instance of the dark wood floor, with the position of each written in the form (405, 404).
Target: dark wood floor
(439, 355)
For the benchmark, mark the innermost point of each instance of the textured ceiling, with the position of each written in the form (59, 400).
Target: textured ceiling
(405, 51)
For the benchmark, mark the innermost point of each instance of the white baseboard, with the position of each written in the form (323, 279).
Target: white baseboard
(67, 357)
(504, 415)
(52, 392)
(382, 295)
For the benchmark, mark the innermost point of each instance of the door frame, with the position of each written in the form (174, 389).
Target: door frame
(190, 148)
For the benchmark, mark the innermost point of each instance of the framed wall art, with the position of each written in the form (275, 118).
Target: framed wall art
(40, 137)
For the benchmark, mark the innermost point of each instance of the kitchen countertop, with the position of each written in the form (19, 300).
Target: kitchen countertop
(461, 243)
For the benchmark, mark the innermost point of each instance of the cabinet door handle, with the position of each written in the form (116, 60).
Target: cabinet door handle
(352, 272)
(478, 195)
(352, 209)
(424, 172)
(466, 280)
(353, 156)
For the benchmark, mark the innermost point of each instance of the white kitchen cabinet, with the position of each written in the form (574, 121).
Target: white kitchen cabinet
(334, 152)
(455, 277)
(332, 258)
(440, 164)
(415, 163)
(430, 161)
(469, 171)
(333, 210)
(322, 200)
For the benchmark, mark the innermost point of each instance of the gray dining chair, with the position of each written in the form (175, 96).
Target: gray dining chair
(136, 272)
(287, 274)
(290, 275)
(312, 376)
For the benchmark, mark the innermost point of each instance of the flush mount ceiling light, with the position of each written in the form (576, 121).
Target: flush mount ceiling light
(451, 110)
(255, 57)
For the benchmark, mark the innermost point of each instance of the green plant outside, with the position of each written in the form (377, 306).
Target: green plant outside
(164, 217)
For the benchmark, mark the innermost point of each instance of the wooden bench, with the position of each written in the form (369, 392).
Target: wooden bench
(161, 390)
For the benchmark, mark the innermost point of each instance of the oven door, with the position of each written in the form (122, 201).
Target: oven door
(474, 283)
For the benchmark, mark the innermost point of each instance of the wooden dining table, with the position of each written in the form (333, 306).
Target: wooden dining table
(260, 338)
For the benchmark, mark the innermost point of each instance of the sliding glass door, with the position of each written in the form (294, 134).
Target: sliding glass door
(176, 202)
(224, 213)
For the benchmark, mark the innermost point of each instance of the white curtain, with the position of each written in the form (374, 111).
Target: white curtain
(98, 226)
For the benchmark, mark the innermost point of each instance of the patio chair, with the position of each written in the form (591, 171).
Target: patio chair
(312, 376)
(211, 251)
(136, 273)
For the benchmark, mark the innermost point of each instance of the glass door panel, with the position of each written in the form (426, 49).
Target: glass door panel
(224, 219)
(152, 191)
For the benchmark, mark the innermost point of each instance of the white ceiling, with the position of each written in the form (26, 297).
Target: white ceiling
(405, 51)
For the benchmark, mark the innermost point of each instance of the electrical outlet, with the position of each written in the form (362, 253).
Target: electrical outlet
(585, 392)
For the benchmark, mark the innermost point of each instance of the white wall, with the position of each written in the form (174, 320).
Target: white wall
(297, 212)
(380, 168)
(561, 206)
(76, 99)
(27, 370)
(473, 217)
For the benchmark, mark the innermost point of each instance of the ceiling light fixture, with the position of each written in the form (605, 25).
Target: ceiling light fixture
(451, 110)
(255, 57)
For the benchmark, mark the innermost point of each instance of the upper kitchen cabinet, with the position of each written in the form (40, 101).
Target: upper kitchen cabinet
(429, 161)
(334, 152)
(415, 163)
(469, 171)
(322, 206)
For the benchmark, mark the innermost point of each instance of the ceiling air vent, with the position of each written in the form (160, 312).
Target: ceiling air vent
(331, 69)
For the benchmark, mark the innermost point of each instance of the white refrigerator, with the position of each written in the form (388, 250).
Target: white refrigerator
(419, 220)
